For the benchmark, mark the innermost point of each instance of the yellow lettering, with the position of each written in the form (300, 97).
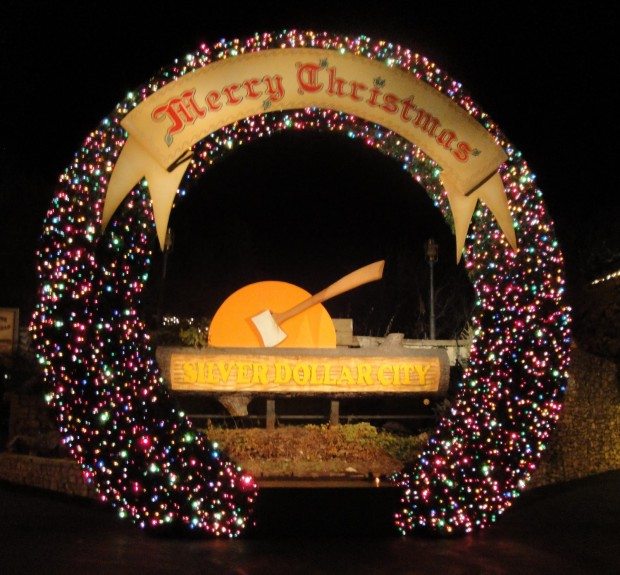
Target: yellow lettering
(329, 379)
(314, 373)
(190, 373)
(346, 376)
(364, 374)
(301, 373)
(259, 373)
(326, 368)
(209, 375)
(381, 374)
(408, 372)
(225, 370)
(396, 369)
(244, 372)
(283, 372)
(422, 370)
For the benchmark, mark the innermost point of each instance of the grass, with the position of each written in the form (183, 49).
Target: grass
(318, 450)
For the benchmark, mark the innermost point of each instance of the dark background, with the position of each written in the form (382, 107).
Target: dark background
(308, 208)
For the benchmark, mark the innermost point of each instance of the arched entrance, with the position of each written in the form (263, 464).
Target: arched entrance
(120, 423)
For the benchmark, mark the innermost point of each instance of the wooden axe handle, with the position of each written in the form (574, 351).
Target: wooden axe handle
(367, 274)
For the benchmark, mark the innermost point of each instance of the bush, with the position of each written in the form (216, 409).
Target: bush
(360, 442)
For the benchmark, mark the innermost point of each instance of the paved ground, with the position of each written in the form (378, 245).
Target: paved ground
(569, 529)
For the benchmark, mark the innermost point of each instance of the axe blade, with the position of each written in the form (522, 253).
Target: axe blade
(269, 331)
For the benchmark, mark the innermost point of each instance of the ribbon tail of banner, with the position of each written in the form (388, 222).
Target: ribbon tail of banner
(134, 163)
(493, 195)
(462, 209)
(163, 186)
(128, 171)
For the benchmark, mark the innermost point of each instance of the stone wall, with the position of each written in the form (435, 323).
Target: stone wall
(31, 427)
(53, 474)
(587, 439)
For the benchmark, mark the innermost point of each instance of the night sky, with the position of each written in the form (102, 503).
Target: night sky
(544, 75)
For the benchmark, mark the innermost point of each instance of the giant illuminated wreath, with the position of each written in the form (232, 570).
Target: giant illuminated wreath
(143, 455)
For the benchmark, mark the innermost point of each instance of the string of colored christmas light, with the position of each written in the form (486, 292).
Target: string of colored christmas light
(143, 455)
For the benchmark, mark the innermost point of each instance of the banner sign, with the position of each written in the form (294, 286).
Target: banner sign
(185, 111)
(310, 371)
(163, 128)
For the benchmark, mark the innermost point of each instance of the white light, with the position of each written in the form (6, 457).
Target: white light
(611, 276)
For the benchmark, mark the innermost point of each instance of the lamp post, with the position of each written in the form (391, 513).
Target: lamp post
(168, 243)
(432, 254)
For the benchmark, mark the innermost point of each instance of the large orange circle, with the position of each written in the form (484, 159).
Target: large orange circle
(232, 326)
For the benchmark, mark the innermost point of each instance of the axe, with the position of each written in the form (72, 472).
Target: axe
(268, 323)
